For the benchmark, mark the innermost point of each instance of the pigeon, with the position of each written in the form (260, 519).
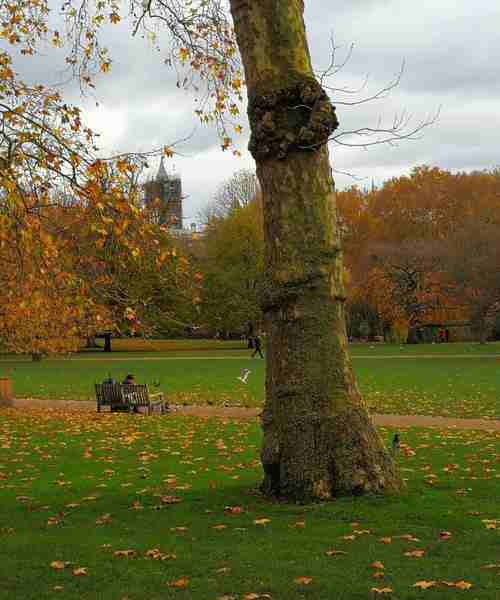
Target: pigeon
(244, 375)
(395, 443)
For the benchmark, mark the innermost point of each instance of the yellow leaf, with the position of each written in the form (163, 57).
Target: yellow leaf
(262, 521)
(385, 590)
(57, 564)
(463, 585)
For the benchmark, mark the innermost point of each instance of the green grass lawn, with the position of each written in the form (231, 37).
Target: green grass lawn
(143, 505)
(440, 379)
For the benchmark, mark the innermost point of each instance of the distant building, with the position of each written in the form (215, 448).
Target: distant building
(164, 194)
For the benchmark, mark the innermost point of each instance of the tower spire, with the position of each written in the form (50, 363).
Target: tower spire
(162, 173)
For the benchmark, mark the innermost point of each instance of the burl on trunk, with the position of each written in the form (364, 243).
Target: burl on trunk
(319, 441)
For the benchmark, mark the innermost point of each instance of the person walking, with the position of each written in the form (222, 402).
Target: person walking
(257, 347)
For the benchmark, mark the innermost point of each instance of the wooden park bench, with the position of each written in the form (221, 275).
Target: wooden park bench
(128, 397)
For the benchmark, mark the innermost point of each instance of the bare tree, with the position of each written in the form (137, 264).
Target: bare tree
(234, 193)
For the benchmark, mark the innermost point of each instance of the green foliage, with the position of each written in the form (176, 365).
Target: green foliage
(232, 269)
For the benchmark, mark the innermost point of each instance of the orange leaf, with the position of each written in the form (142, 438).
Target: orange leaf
(385, 540)
(80, 571)
(385, 590)
(303, 580)
(377, 565)
(57, 564)
(423, 585)
(181, 583)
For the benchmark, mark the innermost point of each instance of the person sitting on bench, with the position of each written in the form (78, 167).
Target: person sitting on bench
(130, 380)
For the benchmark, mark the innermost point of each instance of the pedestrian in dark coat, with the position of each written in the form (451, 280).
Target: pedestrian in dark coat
(257, 347)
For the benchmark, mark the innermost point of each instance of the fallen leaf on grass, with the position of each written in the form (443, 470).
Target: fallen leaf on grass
(491, 566)
(384, 590)
(170, 499)
(103, 519)
(298, 525)
(57, 564)
(80, 571)
(233, 510)
(385, 540)
(445, 535)
(219, 527)
(125, 553)
(378, 574)
(415, 553)
(407, 536)
(423, 585)
(334, 552)
(303, 580)
(262, 521)
(463, 585)
(181, 583)
(377, 565)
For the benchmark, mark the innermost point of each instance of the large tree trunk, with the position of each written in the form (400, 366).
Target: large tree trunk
(318, 438)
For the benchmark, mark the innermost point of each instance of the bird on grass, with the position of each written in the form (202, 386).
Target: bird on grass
(244, 375)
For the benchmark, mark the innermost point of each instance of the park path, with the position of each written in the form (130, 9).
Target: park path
(387, 420)
(244, 356)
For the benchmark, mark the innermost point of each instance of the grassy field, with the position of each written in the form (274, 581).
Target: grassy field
(127, 507)
(440, 379)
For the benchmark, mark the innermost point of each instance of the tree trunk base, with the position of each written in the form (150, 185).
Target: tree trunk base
(320, 457)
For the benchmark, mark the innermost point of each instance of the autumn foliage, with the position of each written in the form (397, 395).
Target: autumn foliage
(414, 250)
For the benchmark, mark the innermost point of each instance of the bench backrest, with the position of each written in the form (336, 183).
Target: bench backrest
(135, 394)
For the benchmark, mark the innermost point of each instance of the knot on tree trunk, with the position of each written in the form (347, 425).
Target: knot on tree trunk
(298, 118)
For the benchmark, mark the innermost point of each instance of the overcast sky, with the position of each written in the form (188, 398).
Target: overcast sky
(450, 49)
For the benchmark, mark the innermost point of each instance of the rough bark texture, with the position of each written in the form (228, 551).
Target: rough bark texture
(319, 441)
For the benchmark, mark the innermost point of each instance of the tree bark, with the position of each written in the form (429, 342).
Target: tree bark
(319, 441)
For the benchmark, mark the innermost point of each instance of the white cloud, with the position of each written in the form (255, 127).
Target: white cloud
(450, 49)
